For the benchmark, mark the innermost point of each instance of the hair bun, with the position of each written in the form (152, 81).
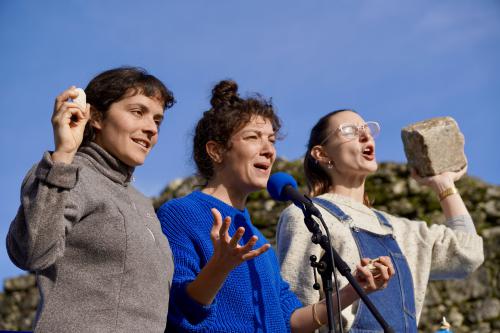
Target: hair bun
(224, 93)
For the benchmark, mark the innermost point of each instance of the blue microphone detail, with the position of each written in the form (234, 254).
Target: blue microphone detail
(277, 182)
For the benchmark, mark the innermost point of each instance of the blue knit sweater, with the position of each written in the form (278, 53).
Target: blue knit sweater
(254, 297)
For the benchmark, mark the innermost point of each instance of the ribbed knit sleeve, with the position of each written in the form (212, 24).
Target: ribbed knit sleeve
(289, 303)
(174, 218)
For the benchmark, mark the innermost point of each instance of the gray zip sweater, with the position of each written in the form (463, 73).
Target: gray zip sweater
(101, 260)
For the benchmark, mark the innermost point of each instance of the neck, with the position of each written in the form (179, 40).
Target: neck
(227, 194)
(352, 187)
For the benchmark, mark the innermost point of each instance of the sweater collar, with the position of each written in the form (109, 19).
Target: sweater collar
(105, 163)
(221, 205)
(349, 202)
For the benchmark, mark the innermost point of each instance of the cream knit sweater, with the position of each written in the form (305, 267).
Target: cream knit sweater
(433, 252)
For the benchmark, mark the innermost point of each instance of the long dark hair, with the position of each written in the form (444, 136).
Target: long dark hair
(228, 114)
(317, 179)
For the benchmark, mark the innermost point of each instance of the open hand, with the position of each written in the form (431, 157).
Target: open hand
(228, 254)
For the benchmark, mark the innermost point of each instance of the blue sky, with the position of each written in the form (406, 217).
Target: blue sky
(397, 62)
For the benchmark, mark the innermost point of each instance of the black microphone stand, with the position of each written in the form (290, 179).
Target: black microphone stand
(328, 262)
(325, 266)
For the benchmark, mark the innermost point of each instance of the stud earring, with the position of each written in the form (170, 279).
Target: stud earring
(330, 164)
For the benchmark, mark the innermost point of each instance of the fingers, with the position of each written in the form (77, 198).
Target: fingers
(223, 234)
(69, 113)
(375, 274)
(236, 237)
(382, 270)
(257, 252)
(388, 263)
(214, 232)
(365, 261)
(364, 274)
(64, 96)
(460, 173)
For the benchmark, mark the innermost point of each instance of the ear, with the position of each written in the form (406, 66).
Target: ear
(95, 118)
(319, 154)
(215, 151)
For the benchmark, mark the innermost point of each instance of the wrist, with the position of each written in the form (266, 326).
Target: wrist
(447, 192)
(217, 269)
(62, 157)
(442, 184)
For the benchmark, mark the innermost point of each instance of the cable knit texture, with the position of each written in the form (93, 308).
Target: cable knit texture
(433, 252)
(254, 297)
(101, 261)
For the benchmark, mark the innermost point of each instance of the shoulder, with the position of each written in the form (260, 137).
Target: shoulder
(139, 197)
(184, 204)
(291, 212)
(402, 222)
(188, 209)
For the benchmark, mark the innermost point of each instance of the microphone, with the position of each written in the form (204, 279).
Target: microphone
(282, 187)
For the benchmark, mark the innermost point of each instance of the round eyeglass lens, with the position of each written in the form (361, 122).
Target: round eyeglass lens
(373, 128)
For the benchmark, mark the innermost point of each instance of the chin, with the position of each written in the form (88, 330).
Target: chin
(134, 163)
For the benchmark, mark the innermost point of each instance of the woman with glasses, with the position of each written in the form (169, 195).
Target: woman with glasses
(339, 157)
(227, 279)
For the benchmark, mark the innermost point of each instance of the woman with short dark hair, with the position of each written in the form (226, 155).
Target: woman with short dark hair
(101, 261)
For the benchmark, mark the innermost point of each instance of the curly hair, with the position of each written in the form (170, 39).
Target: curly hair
(115, 84)
(228, 114)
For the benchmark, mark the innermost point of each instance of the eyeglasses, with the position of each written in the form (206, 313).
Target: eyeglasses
(351, 131)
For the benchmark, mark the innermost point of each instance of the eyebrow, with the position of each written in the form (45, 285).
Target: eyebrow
(258, 132)
(145, 108)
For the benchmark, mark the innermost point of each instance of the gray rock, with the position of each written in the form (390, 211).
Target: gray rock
(455, 317)
(490, 309)
(434, 146)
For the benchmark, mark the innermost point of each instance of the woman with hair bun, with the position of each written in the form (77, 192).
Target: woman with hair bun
(226, 277)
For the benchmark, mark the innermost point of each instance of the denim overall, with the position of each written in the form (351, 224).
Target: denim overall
(396, 303)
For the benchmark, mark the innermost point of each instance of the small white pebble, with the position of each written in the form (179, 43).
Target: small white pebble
(81, 99)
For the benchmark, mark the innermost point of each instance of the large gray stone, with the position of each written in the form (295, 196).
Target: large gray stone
(434, 146)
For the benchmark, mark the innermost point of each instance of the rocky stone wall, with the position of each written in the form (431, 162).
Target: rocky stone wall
(471, 305)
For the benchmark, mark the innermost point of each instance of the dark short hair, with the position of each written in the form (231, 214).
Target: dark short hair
(228, 114)
(115, 84)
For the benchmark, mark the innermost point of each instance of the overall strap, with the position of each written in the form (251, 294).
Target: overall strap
(333, 209)
(382, 219)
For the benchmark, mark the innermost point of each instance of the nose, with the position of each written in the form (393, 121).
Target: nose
(150, 127)
(364, 133)
(268, 150)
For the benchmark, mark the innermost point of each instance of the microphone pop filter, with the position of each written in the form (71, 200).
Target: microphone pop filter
(277, 182)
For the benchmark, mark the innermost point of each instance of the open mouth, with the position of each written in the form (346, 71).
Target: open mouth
(264, 167)
(369, 152)
(141, 142)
